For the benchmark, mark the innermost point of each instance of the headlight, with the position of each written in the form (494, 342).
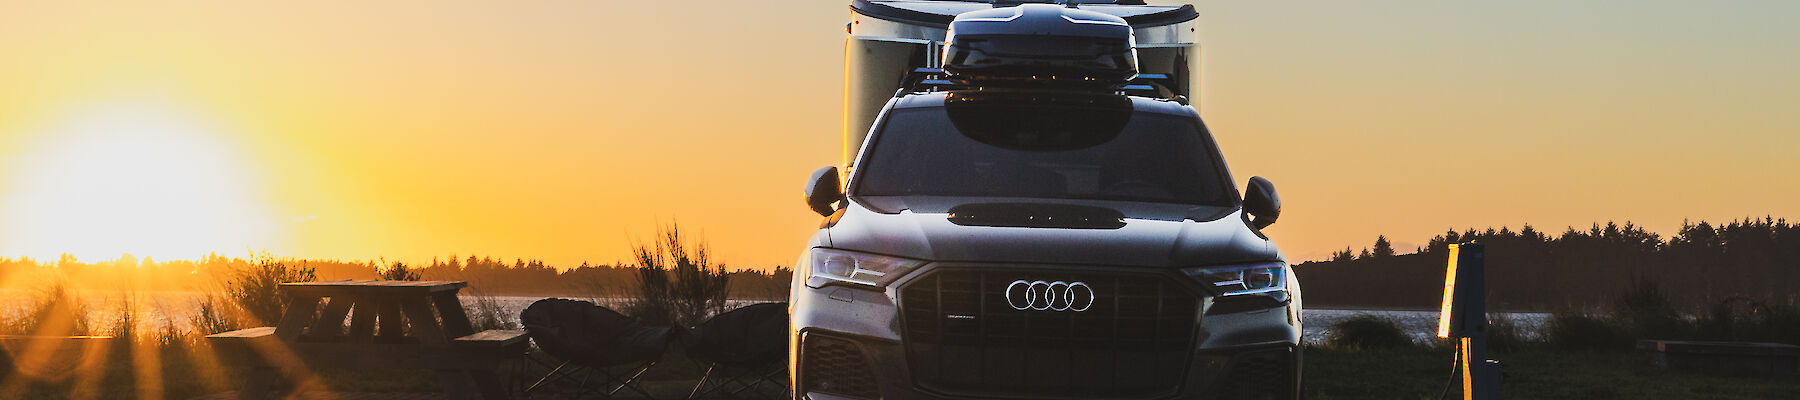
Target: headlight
(1244, 279)
(832, 265)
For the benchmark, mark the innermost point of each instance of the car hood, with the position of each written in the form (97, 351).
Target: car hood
(1147, 235)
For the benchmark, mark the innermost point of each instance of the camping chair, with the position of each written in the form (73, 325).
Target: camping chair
(602, 351)
(745, 352)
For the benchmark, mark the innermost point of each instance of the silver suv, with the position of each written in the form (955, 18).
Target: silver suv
(1006, 235)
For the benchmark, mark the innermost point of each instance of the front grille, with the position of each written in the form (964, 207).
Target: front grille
(1263, 374)
(834, 365)
(964, 337)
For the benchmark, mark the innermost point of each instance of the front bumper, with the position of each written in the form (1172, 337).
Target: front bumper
(852, 343)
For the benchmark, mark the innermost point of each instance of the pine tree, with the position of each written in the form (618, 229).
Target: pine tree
(1382, 247)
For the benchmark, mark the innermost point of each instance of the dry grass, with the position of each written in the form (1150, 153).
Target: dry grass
(1534, 372)
(257, 289)
(676, 282)
(1367, 332)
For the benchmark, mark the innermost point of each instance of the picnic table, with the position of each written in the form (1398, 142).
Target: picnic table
(391, 324)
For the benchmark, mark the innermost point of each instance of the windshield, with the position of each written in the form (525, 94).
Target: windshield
(1092, 148)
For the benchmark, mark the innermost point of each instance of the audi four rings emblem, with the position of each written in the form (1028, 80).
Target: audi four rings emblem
(1049, 296)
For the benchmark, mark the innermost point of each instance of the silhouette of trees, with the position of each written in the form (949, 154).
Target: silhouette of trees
(1382, 247)
(1528, 269)
(489, 275)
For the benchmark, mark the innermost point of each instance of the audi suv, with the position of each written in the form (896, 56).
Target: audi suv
(1008, 234)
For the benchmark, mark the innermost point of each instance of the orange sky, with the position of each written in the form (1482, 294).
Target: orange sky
(563, 129)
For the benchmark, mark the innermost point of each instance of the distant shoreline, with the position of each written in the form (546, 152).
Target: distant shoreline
(1404, 309)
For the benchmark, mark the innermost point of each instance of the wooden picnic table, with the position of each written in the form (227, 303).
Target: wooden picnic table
(391, 324)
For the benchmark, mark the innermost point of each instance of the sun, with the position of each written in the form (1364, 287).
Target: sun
(143, 178)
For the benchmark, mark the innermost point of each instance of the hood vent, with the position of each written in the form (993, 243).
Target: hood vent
(1033, 215)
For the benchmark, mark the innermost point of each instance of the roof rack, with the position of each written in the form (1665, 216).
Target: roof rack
(926, 80)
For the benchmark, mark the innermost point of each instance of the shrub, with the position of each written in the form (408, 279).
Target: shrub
(1725, 319)
(55, 311)
(485, 312)
(676, 286)
(210, 316)
(257, 289)
(489, 315)
(170, 336)
(125, 320)
(1503, 334)
(1744, 319)
(1645, 312)
(1577, 331)
(649, 302)
(1365, 331)
(398, 271)
(1781, 323)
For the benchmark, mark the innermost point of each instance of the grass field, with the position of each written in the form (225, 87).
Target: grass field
(1537, 372)
(1405, 373)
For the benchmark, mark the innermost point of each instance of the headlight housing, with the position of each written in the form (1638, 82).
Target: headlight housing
(856, 269)
(1243, 279)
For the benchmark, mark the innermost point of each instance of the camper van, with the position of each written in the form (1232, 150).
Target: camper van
(1031, 207)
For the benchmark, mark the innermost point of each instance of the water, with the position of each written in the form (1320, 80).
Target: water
(156, 310)
(1421, 325)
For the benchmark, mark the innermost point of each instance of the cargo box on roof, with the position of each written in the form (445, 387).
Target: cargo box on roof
(888, 39)
(1039, 45)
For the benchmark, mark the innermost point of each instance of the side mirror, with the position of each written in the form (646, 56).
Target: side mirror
(1261, 202)
(823, 190)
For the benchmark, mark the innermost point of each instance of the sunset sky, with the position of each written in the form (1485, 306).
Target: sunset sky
(564, 130)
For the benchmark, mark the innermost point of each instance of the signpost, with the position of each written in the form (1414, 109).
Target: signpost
(1464, 317)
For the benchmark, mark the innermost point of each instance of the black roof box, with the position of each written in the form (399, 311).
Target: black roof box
(1039, 44)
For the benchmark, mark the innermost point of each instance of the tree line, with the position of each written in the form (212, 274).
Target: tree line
(486, 275)
(1529, 269)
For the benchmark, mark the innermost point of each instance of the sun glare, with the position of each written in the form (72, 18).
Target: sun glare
(144, 179)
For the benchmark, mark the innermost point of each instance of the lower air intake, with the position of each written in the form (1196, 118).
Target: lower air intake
(1261, 375)
(836, 366)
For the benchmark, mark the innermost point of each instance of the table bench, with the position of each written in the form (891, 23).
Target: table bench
(391, 325)
(1728, 358)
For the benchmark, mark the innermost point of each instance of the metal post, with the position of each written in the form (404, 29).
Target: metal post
(1465, 317)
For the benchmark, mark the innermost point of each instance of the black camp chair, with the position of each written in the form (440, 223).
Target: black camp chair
(602, 351)
(745, 353)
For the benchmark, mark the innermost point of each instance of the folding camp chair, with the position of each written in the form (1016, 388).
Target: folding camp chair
(745, 353)
(601, 352)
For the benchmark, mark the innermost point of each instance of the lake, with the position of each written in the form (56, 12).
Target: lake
(159, 309)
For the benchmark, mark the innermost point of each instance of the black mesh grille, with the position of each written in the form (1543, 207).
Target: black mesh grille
(834, 365)
(1261, 375)
(964, 337)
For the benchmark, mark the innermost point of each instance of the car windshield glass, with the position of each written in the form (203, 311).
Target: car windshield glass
(1068, 151)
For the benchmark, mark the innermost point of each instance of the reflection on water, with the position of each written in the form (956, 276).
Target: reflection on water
(153, 309)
